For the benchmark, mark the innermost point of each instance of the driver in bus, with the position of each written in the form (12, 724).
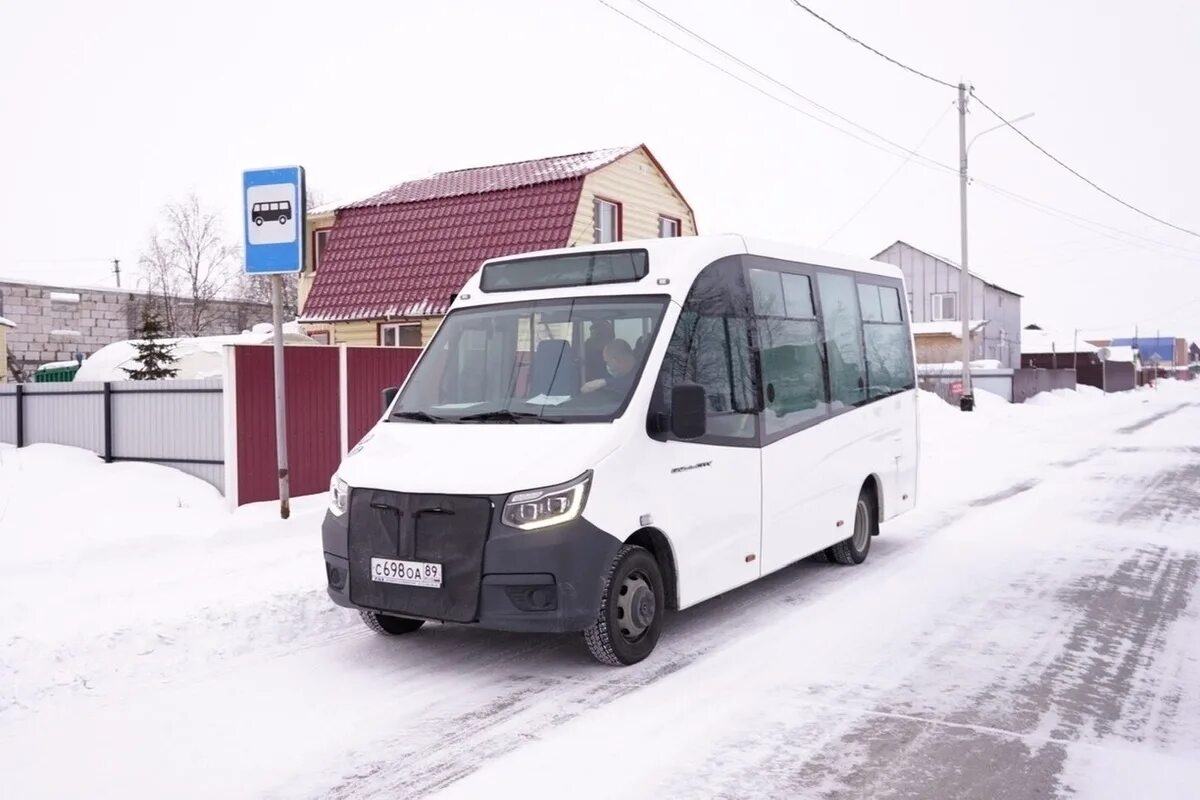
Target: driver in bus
(619, 358)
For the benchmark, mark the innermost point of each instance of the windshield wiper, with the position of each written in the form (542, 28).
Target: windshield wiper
(506, 416)
(418, 416)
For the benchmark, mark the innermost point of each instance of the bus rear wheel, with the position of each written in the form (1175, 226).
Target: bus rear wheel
(282, 219)
(854, 550)
(631, 609)
(388, 625)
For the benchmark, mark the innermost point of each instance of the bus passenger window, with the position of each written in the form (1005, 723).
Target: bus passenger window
(789, 345)
(843, 339)
(889, 354)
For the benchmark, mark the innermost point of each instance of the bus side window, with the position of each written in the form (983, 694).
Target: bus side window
(793, 374)
(710, 346)
(843, 339)
(886, 339)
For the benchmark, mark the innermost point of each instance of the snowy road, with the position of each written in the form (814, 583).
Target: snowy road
(1033, 630)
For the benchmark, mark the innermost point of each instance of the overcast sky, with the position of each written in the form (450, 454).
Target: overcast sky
(108, 110)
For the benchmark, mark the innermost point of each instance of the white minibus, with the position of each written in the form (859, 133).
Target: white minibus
(598, 434)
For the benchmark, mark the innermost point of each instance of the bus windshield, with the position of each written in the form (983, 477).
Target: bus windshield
(557, 360)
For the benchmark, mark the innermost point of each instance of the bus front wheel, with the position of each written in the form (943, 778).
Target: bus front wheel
(389, 625)
(258, 221)
(631, 609)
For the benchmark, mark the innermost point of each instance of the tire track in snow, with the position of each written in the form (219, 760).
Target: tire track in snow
(525, 713)
(1096, 667)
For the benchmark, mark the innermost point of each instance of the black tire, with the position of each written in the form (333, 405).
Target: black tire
(628, 625)
(388, 625)
(854, 549)
(283, 219)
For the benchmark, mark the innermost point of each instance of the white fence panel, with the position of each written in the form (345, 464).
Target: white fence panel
(8, 413)
(177, 423)
(65, 413)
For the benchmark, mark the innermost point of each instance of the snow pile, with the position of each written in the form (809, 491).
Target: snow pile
(956, 366)
(173, 649)
(196, 356)
(1038, 342)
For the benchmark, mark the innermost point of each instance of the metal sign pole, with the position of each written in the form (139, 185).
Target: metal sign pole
(281, 451)
(274, 221)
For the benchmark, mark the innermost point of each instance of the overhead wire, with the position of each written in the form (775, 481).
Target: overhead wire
(879, 53)
(887, 181)
(1078, 174)
(910, 152)
(923, 159)
(1154, 245)
(1002, 119)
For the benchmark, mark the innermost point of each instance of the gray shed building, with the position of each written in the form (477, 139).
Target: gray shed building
(934, 297)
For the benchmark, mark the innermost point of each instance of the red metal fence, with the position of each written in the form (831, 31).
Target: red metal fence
(370, 370)
(333, 399)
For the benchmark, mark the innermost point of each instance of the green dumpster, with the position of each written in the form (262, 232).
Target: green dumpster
(62, 372)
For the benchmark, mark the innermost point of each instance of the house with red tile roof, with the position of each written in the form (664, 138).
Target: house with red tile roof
(384, 270)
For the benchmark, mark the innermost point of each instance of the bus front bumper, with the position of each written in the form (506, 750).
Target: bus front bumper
(549, 580)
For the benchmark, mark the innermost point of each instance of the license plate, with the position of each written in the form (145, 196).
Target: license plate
(408, 573)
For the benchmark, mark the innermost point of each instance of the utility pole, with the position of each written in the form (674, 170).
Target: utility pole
(967, 401)
(1075, 357)
(117, 271)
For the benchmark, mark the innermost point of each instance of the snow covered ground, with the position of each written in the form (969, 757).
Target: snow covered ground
(1033, 629)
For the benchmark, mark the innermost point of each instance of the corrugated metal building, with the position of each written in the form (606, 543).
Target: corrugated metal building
(934, 296)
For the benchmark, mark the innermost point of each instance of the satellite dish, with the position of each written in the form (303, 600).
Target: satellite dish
(1103, 354)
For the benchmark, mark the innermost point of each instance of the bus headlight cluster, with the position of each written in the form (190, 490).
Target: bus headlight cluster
(553, 505)
(339, 495)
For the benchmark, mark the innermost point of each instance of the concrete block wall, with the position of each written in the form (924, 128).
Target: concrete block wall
(50, 329)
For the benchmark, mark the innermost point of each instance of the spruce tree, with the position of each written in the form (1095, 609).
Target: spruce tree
(154, 357)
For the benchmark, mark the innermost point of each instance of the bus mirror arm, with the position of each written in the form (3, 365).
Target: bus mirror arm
(689, 411)
(388, 395)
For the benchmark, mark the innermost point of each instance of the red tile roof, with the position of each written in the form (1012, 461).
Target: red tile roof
(405, 251)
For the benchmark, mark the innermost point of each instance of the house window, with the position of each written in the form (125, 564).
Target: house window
(943, 307)
(400, 334)
(320, 239)
(607, 221)
(321, 337)
(668, 227)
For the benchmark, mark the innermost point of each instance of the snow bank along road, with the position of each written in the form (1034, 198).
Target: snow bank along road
(1033, 630)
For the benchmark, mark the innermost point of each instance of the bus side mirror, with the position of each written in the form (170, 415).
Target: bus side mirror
(389, 394)
(689, 412)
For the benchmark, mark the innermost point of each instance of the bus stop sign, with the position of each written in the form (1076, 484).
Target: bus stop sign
(273, 218)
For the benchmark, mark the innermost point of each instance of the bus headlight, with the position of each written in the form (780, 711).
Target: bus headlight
(339, 495)
(553, 505)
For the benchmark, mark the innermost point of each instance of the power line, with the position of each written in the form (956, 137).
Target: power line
(924, 159)
(1000, 117)
(1084, 222)
(681, 27)
(1075, 219)
(882, 55)
(1078, 174)
(889, 178)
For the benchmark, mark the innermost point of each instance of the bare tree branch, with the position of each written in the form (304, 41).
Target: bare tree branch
(189, 264)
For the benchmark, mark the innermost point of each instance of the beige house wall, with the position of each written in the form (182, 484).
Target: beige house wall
(366, 332)
(314, 223)
(644, 193)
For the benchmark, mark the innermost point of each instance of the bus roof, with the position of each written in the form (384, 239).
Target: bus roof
(674, 264)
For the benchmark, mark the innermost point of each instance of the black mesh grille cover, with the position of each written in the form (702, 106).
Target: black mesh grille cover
(450, 530)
